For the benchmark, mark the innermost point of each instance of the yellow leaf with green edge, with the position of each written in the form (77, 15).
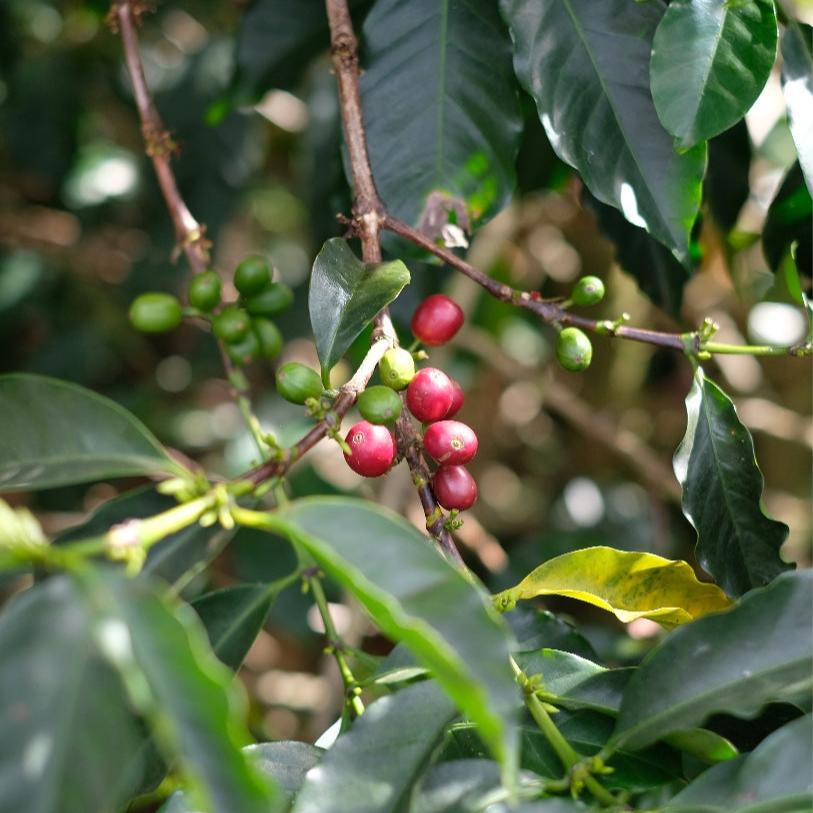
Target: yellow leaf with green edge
(628, 584)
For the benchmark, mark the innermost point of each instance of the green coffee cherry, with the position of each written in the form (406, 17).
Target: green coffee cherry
(244, 351)
(269, 337)
(573, 350)
(231, 324)
(276, 298)
(397, 368)
(587, 291)
(155, 313)
(204, 291)
(252, 275)
(296, 382)
(379, 405)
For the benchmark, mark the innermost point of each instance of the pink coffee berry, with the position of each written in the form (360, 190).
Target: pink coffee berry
(454, 488)
(450, 442)
(372, 449)
(436, 320)
(457, 400)
(430, 394)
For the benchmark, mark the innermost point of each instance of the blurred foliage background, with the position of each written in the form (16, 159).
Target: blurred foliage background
(565, 460)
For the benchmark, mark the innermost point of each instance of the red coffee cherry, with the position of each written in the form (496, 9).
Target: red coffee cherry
(454, 488)
(372, 449)
(458, 399)
(430, 394)
(450, 442)
(436, 320)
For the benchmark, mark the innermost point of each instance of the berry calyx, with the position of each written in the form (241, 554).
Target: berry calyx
(372, 449)
(252, 275)
(274, 299)
(587, 291)
(231, 324)
(454, 488)
(269, 337)
(155, 313)
(457, 401)
(450, 442)
(296, 382)
(397, 368)
(204, 291)
(436, 320)
(430, 394)
(245, 350)
(573, 350)
(379, 405)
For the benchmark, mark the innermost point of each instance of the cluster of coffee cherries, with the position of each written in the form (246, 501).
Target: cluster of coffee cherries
(431, 397)
(573, 349)
(245, 326)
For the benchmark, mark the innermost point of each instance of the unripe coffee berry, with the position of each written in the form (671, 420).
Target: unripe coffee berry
(457, 400)
(204, 291)
(252, 275)
(269, 337)
(372, 449)
(244, 351)
(587, 291)
(436, 320)
(450, 442)
(379, 405)
(573, 350)
(454, 488)
(430, 394)
(274, 299)
(397, 368)
(231, 324)
(296, 382)
(155, 313)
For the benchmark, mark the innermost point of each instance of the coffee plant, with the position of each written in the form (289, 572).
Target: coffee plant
(586, 672)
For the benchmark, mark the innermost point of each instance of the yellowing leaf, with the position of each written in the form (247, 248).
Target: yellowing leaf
(630, 585)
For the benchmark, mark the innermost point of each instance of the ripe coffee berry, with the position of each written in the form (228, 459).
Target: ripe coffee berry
(573, 350)
(457, 401)
(372, 449)
(252, 275)
(430, 395)
(450, 442)
(436, 320)
(454, 488)
(155, 313)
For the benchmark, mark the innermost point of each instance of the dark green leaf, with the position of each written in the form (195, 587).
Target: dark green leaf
(345, 295)
(587, 66)
(722, 488)
(535, 629)
(790, 220)
(286, 762)
(710, 61)
(438, 86)
(53, 433)
(409, 588)
(373, 767)
(727, 185)
(775, 776)
(797, 84)
(736, 662)
(561, 671)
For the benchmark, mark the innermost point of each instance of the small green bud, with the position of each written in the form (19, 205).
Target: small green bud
(397, 368)
(587, 291)
(252, 275)
(379, 405)
(204, 291)
(231, 324)
(245, 350)
(155, 313)
(276, 298)
(573, 350)
(296, 382)
(270, 337)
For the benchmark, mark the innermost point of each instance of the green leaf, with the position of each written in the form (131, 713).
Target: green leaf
(373, 767)
(535, 628)
(345, 295)
(735, 662)
(65, 729)
(775, 776)
(790, 221)
(587, 66)
(797, 84)
(722, 487)
(727, 185)
(710, 61)
(176, 681)
(437, 78)
(53, 433)
(630, 585)
(410, 589)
